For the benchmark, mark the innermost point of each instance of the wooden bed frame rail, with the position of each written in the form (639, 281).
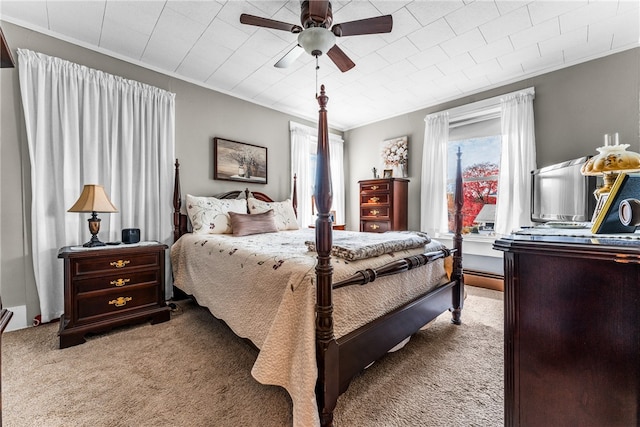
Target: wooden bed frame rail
(340, 360)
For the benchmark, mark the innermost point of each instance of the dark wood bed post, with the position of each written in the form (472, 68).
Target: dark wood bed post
(294, 196)
(327, 388)
(458, 290)
(177, 202)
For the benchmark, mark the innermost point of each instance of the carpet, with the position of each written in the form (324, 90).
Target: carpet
(193, 371)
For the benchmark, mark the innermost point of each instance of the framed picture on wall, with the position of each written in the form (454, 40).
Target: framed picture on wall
(239, 161)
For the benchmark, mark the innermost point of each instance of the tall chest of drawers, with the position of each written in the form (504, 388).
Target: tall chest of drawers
(105, 288)
(383, 204)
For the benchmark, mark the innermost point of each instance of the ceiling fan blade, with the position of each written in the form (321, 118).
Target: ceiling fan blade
(289, 57)
(269, 23)
(377, 25)
(340, 58)
(318, 10)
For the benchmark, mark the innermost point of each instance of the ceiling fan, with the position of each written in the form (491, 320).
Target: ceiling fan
(316, 36)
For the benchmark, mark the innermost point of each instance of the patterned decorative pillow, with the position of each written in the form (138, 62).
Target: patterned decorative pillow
(285, 215)
(209, 215)
(245, 224)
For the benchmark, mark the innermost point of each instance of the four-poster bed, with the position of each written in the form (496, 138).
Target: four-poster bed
(320, 328)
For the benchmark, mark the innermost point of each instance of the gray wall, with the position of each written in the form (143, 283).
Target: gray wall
(574, 107)
(201, 114)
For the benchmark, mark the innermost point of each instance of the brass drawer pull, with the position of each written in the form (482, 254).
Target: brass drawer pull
(120, 282)
(374, 187)
(374, 200)
(120, 301)
(119, 263)
(374, 212)
(374, 226)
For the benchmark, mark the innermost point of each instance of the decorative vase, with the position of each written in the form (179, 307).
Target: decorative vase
(241, 171)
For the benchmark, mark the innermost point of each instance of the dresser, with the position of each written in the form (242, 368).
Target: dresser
(571, 331)
(111, 286)
(383, 204)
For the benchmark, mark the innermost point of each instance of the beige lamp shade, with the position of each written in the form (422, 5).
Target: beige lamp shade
(93, 199)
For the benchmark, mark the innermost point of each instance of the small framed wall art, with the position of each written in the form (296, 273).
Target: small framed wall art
(239, 161)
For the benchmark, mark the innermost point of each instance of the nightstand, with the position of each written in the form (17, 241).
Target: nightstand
(111, 286)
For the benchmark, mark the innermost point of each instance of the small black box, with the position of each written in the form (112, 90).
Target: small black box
(131, 235)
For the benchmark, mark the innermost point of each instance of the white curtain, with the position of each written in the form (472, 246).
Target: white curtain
(433, 198)
(85, 126)
(304, 140)
(518, 159)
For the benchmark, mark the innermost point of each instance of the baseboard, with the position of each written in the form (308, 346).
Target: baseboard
(19, 318)
(484, 280)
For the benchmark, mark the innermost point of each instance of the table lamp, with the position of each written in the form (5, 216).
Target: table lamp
(93, 199)
(611, 160)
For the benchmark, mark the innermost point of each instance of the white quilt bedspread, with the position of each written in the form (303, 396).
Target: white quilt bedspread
(263, 287)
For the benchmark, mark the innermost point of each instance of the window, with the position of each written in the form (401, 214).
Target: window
(303, 164)
(497, 141)
(480, 172)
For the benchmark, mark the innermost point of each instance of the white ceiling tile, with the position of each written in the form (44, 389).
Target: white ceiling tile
(543, 10)
(387, 7)
(505, 7)
(426, 75)
(584, 51)
(426, 58)
(505, 25)
(199, 67)
(463, 43)
(519, 56)
(427, 12)
(123, 39)
(624, 27)
(80, 20)
(549, 61)
(563, 41)
(583, 16)
(398, 50)
(139, 16)
(472, 15)
(535, 34)
(431, 35)
(202, 12)
(33, 12)
(456, 64)
(404, 23)
(362, 45)
(492, 50)
(483, 69)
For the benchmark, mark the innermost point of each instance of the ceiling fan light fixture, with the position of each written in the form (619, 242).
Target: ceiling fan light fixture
(316, 40)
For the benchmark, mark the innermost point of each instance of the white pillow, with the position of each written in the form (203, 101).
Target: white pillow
(209, 215)
(285, 216)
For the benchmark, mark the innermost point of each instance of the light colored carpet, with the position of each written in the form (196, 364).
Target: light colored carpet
(193, 371)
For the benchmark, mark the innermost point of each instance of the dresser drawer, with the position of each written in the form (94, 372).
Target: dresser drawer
(375, 212)
(115, 262)
(374, 199)
(375, 226)
(113, 302)
(374, 186)
(121, 280)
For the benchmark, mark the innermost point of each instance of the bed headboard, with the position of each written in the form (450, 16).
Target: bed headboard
(181, 221)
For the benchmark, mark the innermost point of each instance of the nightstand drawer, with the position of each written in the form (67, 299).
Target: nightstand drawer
(106, 303)
(115, 262)
(374, 199)
(375, 212)
(375, 186)
(375, 226)
(122, 280)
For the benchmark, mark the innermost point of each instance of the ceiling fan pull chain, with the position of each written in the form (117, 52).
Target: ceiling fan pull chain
(317, 68)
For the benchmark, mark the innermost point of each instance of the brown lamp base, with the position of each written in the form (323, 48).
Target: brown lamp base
(94, 228)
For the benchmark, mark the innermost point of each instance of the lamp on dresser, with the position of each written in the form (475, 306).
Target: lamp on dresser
(93, 199)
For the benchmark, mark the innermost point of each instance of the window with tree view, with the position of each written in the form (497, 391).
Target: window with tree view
(480, 167)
